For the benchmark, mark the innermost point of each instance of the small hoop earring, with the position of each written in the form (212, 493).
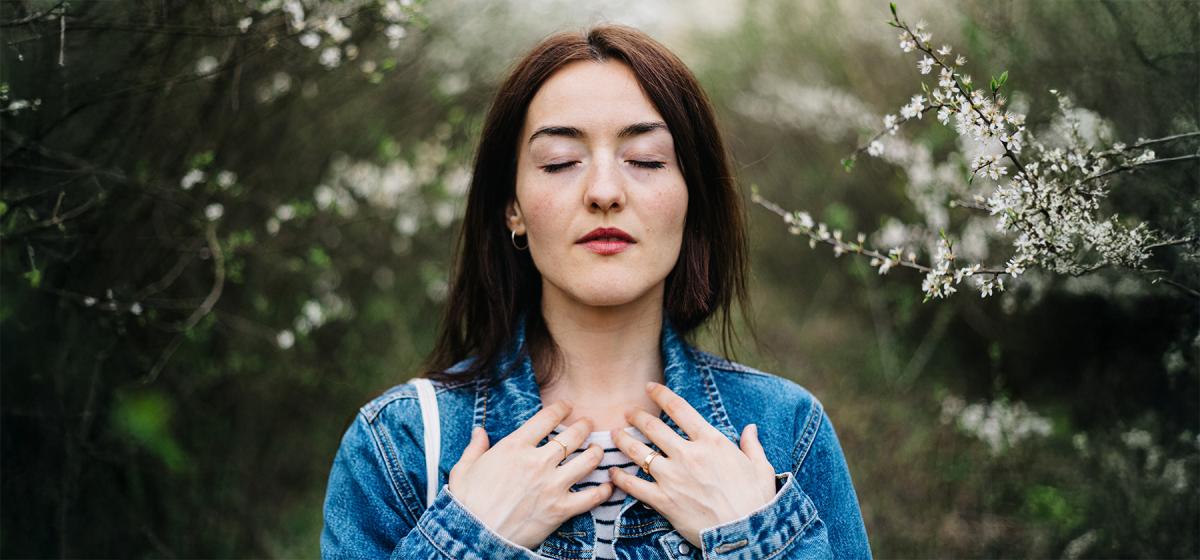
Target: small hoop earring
(514, 242)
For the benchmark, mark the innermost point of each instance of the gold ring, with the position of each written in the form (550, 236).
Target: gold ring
(564, 446)
(649, 459)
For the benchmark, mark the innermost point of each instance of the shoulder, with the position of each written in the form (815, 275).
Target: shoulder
(401, 402)
(383, 449)
(788, 414)
(740, 380)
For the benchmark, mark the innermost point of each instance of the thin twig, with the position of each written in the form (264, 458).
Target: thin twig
(200, 312)
(1139, 165)
(33, 17)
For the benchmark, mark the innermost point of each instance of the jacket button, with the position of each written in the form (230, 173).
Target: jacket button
(684, 548)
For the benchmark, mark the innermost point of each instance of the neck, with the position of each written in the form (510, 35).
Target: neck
(609, 353)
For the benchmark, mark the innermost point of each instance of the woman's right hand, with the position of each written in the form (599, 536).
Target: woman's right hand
(517, 488)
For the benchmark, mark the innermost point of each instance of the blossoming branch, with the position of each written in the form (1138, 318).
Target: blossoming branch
(1046, 205)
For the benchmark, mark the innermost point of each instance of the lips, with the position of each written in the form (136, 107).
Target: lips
(607, 235)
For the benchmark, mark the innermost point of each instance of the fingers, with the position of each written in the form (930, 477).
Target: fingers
(643, 490)
(658, 432)
(635, 449)
(753, 449)
(541, 424)
(475, 448)
(751, 446)
(579, 466)
(572, 437)
(692, 423)
(586, 500)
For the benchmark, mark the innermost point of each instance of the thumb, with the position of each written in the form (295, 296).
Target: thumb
(477, 446)
(751, 446)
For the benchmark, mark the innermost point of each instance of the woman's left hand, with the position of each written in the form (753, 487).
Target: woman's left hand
(701, 482)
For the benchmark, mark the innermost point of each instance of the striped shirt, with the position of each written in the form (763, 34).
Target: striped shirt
(605, 515)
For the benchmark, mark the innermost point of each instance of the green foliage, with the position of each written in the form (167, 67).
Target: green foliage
(145, 419)
(203, 417)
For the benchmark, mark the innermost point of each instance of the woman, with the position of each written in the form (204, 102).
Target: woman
(602, 226)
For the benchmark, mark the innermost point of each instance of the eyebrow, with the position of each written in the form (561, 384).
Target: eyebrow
(572, 132)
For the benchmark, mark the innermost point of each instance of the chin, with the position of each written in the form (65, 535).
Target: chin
(606, 291)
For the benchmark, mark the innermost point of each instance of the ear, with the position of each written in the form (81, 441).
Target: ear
(512, 213)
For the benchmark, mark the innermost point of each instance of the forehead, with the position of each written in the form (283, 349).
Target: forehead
(602, 96)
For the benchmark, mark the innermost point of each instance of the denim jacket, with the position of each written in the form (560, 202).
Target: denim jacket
(375, 506)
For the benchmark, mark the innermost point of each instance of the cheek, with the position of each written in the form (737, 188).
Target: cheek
(668, 211)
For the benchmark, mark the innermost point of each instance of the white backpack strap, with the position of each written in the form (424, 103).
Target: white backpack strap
(433, 436)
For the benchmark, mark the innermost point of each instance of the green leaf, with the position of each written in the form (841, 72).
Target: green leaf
(848, 163)
(1003, 78)
(34, 277)
(202, 160)
(892, 5)
(319, 258)
(3, 208)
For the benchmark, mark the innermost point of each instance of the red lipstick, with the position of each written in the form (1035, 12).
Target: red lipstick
(606, 241)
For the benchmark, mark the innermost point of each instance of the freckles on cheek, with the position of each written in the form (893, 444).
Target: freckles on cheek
(669, 207)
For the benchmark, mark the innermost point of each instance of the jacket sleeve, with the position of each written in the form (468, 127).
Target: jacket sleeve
(815, 513)
(365, 518)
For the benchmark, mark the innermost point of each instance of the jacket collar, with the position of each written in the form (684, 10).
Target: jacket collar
(507, 401)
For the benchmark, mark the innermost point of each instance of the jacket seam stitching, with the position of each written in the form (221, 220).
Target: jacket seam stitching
(393, 478)
(714, 397)
(432, 543)
(783, 548)
(383, 457)
(808, 435)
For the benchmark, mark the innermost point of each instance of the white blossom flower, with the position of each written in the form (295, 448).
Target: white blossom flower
(943, 115)
(285, 339)
(136, 308)
(394, 34)
(310, 39)
(336, 29)
(946, 78)
(875, 148)
(945, 50)
(331, 57)
(925, 65)
(985, 288)
(244, 23)
(206, 64)
(214, 211)
(889, 123)
(226, 179)
(191, 179)
(285, 212)
(960, 60)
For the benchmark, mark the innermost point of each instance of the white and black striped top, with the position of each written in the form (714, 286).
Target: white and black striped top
(605, 514)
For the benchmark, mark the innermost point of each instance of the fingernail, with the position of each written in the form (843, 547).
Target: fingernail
(650, 385)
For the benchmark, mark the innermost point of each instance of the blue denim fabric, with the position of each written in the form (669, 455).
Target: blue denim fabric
(375, 501)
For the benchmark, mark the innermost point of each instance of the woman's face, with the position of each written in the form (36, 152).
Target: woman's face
(595, 153)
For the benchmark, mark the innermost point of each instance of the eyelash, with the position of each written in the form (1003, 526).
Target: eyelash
(556, 167)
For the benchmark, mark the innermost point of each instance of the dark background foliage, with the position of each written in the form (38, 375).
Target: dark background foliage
(175, 383)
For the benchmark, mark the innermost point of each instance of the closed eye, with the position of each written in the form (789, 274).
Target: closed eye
(556, 167)
(648, 164)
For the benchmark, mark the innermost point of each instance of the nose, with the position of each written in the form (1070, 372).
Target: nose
(605, 187)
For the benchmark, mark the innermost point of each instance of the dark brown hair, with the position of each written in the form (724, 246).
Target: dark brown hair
(493, 284)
